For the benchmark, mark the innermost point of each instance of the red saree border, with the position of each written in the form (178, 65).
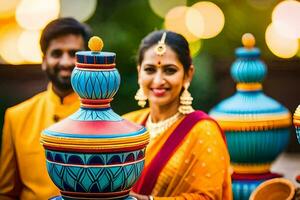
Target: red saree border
(151, 172)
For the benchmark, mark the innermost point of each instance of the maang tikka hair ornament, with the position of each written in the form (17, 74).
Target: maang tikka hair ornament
(161, 48)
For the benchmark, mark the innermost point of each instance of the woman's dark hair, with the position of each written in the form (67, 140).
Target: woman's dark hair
(174, 40)
(61, 27)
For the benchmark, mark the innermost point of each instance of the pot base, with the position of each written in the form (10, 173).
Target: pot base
(67, 198)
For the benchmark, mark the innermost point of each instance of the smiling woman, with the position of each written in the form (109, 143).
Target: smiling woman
(187, 157)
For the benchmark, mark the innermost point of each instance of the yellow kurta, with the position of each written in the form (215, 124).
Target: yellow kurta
(199, 169)
(23, 173)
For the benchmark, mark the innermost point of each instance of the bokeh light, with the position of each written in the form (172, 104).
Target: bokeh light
(175, 20)
(213, 18)
(298, 52)
(9, 35)
(35, 14)
(7, 8)
(161, 8)
(195, 47)
(194, 22)
(280, 45)
(286, 18)
(81, 10)
(261, 4)
(28, 46)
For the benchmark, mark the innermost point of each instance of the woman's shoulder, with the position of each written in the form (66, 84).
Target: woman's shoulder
(201, 120)
(205, 126)
(136, 116)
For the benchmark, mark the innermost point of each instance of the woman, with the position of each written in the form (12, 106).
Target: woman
(187, 156)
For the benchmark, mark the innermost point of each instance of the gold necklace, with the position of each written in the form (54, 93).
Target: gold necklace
(155, 129)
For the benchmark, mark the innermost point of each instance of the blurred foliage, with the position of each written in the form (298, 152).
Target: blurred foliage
(122, 25)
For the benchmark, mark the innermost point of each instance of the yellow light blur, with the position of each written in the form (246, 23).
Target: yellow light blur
(35, 14)
(28, 46)
(213, 19)
(9, 35)
(194, 22)
(81, 10)
(280, 45)
(298, 52)
(195, 47)
(7, 8)
(161, 8)
(286, 18)
(175, 20)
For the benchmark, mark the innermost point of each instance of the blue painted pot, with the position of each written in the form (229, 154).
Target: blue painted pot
(95, 153)
(256, 126)
(94, 173)
(297, 122)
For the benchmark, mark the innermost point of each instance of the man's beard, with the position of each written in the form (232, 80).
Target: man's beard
(61, 83)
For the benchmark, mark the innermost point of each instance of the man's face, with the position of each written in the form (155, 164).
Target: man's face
(59, 60)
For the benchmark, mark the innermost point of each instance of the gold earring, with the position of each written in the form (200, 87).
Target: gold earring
(140, 97)
(186, 100)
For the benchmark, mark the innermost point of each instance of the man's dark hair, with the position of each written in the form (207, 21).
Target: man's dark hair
(61, 27)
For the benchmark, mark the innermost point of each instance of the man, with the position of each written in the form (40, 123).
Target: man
(23, 173)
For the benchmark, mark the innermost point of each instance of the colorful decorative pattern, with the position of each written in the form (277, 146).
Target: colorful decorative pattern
(88, 57)
(94, 153)
(245, 149)
(95, 84)
(94, 173)
(297, 122)
(247, 68)
(256, 126)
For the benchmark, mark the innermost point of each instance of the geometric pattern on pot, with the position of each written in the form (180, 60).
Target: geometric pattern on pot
(298, 132)
(254, 70)
(94, 159)
(95, 84)
(86, 114)
(94, 173)
(94, 179)
(256, 146)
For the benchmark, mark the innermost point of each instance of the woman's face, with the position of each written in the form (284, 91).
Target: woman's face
(161, 77)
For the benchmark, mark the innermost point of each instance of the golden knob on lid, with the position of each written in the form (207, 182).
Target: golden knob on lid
(248, 40)
(95, 44)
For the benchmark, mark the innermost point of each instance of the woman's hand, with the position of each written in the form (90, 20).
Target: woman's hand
(138, 196)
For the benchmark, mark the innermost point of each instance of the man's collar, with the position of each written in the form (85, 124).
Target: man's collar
(69, 99)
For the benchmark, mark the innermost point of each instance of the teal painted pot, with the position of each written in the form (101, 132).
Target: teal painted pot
(247, 68)
(95, 84)
(298, 133)
(94, 173)
(297, 122)
(257, 147)
(95, 153)
(256, 126)
(66, 198)
(243, 189)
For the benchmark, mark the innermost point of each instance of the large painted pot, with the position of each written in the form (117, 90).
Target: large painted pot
(94, 153)
(256, 126)
(297, 122)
